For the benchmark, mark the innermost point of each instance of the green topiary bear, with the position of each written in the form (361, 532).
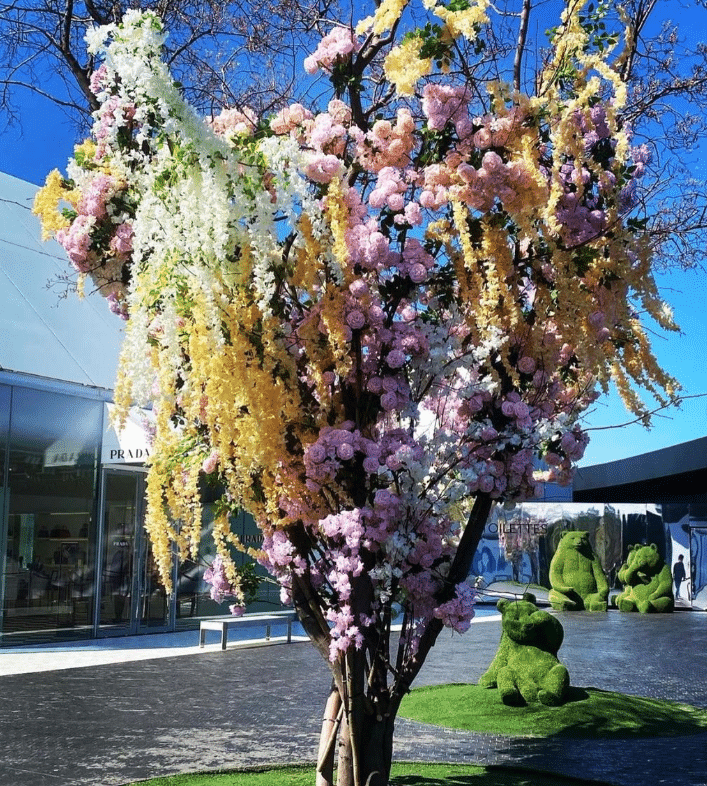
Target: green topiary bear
(525, 668)
(576, 577)
(647, 581)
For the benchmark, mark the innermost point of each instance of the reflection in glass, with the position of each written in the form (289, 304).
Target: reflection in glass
(120, 501)
(50, 567)
(132, 597)
(193, 593)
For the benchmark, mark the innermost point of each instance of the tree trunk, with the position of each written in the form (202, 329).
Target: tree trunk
(327, 739)
(369, 764)
(361, 708)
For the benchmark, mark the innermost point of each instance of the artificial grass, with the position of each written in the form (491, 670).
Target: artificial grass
(403, 774)
(588, 713)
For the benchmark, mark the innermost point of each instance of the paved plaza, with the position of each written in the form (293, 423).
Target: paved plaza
(113, 712)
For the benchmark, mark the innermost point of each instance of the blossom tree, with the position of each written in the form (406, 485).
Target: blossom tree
(353, 318)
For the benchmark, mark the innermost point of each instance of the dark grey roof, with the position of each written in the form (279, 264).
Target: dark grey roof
(676, 473)
(40, 333)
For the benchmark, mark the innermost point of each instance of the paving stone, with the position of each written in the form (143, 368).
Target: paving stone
(110, 724)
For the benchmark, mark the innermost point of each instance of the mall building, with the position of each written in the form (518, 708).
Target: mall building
(75, 559)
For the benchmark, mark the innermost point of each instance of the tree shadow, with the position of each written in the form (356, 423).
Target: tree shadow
(495, 775)
(592, 713)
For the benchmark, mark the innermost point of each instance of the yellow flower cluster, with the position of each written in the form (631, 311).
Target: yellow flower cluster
(338, 213)
(466, 22)
(306, 272)
(386, 15)
(404, 67)
(46, 204)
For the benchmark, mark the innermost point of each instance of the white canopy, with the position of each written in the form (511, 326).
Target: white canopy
(42, 333)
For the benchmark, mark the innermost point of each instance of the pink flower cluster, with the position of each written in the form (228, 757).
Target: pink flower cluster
(323, 459)
(444, 104)
(115, 113)
(77, 240)
(495, 180)
(215, 575)
(234, 122)
(291, 119)
(458, 612)
(98, 242)
(334, 48)
(386, 144)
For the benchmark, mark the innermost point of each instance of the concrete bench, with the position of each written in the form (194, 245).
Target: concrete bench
(266, 619)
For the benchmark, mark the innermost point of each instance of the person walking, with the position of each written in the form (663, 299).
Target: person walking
(678, 574)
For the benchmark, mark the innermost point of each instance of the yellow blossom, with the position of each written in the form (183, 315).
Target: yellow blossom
(404, 67)
(46, 204)
(387, 14)
(466, 22)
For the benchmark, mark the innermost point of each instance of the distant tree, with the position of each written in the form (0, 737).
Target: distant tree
(224, 53)
(249, 52)
(352, 318)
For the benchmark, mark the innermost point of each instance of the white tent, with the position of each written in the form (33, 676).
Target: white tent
(41, 333)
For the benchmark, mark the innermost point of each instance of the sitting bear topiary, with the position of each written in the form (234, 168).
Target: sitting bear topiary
(525, 668)
(577, 580)
(647, 581)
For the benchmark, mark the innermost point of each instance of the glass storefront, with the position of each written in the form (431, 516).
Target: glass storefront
(50, 499)
(132, 600)
(77, 562)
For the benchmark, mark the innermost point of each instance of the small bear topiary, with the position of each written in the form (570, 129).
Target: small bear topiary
(577, 580)
(648, 585)
(525, 668)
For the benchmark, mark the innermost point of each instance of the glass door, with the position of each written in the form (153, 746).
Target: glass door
(132, 599)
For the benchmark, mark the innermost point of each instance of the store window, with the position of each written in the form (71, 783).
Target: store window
(193, 593)
(50, 566)
(5, 393)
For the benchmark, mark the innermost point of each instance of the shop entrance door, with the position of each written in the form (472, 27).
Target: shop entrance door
(132, 599)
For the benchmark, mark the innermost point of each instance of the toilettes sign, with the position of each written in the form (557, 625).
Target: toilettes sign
(132, 444)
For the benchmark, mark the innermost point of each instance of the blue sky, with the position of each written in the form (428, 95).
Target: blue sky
(46, 141)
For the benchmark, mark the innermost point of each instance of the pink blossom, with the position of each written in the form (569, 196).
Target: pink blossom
(316, 453)
(371, 464)
(358, 288)
(98, 79)
(122, 241)
(290, 118)
(323, 168)
(395, 358)
(355, 319)
(526, 365)
(77, 240)
(345, 451)
(210, 463)
(234, 122)
(335, 46)
(389, 401)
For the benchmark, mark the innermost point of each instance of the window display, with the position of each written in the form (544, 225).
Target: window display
(51, 504)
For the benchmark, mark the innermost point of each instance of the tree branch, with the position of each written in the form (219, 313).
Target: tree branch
(520, 48)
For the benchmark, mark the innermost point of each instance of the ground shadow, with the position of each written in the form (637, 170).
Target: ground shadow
(498, 776)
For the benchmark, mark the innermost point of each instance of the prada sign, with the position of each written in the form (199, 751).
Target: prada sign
(132, 444)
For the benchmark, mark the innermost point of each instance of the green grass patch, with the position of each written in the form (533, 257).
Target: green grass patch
(403, 774)
(589, 713)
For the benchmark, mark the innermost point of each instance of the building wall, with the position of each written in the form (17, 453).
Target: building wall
(518, 544)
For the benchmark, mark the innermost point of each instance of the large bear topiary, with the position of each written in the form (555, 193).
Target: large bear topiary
(648, 585)
(525, 668)
(577, 580)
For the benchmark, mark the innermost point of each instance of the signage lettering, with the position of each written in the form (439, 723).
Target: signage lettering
(129, 454)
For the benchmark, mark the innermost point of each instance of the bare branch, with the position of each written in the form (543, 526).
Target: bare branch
(520, 48)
